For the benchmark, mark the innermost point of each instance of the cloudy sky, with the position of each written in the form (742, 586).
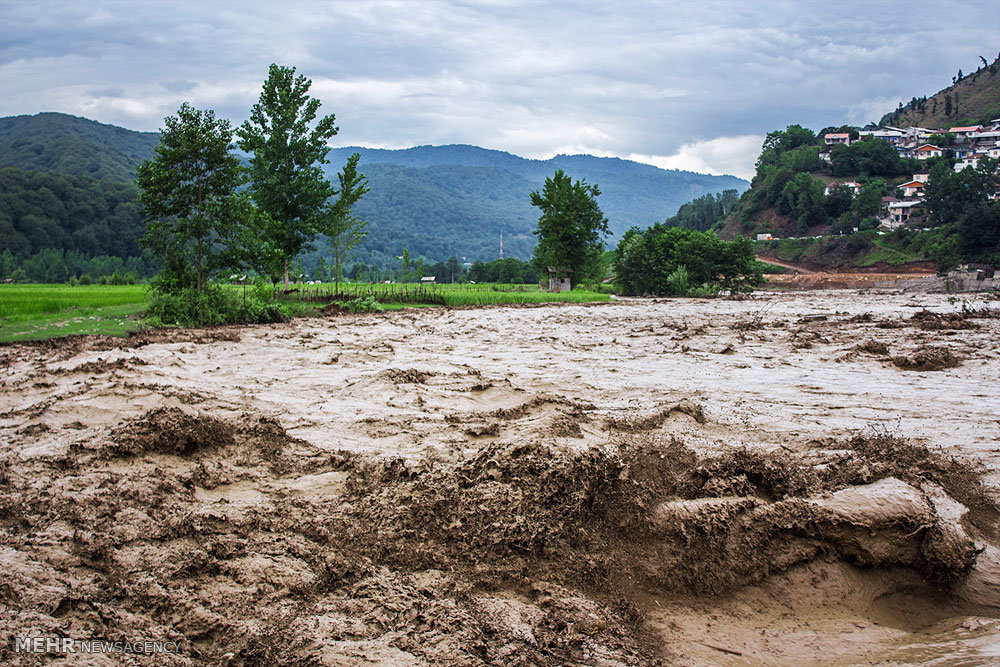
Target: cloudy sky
(687, 85)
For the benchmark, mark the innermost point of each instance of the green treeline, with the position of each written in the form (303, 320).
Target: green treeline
(705, 212)
(673, 261)
(68, 213)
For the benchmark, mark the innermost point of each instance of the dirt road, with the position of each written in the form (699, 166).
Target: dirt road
(789, 478)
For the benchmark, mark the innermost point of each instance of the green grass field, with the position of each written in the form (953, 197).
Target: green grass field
(34, 312)
(37, 312)
(454, 295)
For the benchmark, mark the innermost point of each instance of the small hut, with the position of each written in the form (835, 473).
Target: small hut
(559, 279)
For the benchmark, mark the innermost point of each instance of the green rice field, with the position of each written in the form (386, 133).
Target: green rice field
(37, 311)
(34, 312)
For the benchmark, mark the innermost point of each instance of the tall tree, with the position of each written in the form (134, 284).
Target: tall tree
(570, 228)
(288, 149)
(344, 230)
(187, 188)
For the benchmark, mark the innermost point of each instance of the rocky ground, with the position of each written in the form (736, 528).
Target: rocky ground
(789, 478)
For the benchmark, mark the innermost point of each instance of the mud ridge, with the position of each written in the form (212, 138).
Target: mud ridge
(252, 547)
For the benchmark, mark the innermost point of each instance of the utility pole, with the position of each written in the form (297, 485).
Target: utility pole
(501, 244)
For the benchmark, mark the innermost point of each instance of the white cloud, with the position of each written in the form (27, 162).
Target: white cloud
(719, 156)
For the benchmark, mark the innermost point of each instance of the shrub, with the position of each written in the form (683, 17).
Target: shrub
(366, 304)
(677, 282)
(214, 305)
(85, 279)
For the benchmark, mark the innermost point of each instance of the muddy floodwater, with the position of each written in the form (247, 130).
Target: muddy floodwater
(792, 478)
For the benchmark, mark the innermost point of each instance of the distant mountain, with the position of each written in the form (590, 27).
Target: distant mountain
(436, 201)
(973, 99)
(64, 144)
(631, 193)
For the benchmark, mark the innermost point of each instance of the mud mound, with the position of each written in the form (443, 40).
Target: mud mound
(931, 321)
(168, 431)
(408, 376)
(334, 309)
(103, 366)
(527, 407)
(873, 347)
(250, 547)
(877, 455)
(752, 473)
(657, 419)
(508, 500)
(928, 359)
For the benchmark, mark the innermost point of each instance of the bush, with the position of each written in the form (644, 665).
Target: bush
(677, 281)
(366, 304)
(85, 279)
(213, 305)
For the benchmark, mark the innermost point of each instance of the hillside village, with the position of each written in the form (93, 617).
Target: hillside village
(966, 144)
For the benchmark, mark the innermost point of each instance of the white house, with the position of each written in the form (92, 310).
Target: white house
(832, 138)
(890, 134)
(913, 189)
(922, 176)
(900, 212)
(852, 185)
(971, 160)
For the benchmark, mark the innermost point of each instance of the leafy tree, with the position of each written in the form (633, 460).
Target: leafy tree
(570, 227)
(705, 211)
(949, 194)
(979, 232)
(942, 139)
(872, 157)
(782, 141)
(838, 201)
(286, 178)
(344, 230)
(868, 202)
(802, 199)
(187, 187)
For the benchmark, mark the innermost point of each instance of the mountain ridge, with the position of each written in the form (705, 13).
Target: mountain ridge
(435, 201)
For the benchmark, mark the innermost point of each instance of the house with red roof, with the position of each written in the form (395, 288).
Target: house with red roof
(913, 189)
(926, 152)
(832, 138)
(965, 130)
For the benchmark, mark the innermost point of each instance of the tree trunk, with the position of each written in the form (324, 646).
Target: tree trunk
(286, 274)
(336, 275)
(198, 264)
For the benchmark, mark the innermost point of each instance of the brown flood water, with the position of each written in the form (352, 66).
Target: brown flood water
(785, 479)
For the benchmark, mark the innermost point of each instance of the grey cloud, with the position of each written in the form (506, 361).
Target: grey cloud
(113, 91)
(179, 86)
(529, 77)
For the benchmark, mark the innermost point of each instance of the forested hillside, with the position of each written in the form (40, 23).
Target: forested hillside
(631, 193)
(65, 144)
(973, 98)
(68, 186)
